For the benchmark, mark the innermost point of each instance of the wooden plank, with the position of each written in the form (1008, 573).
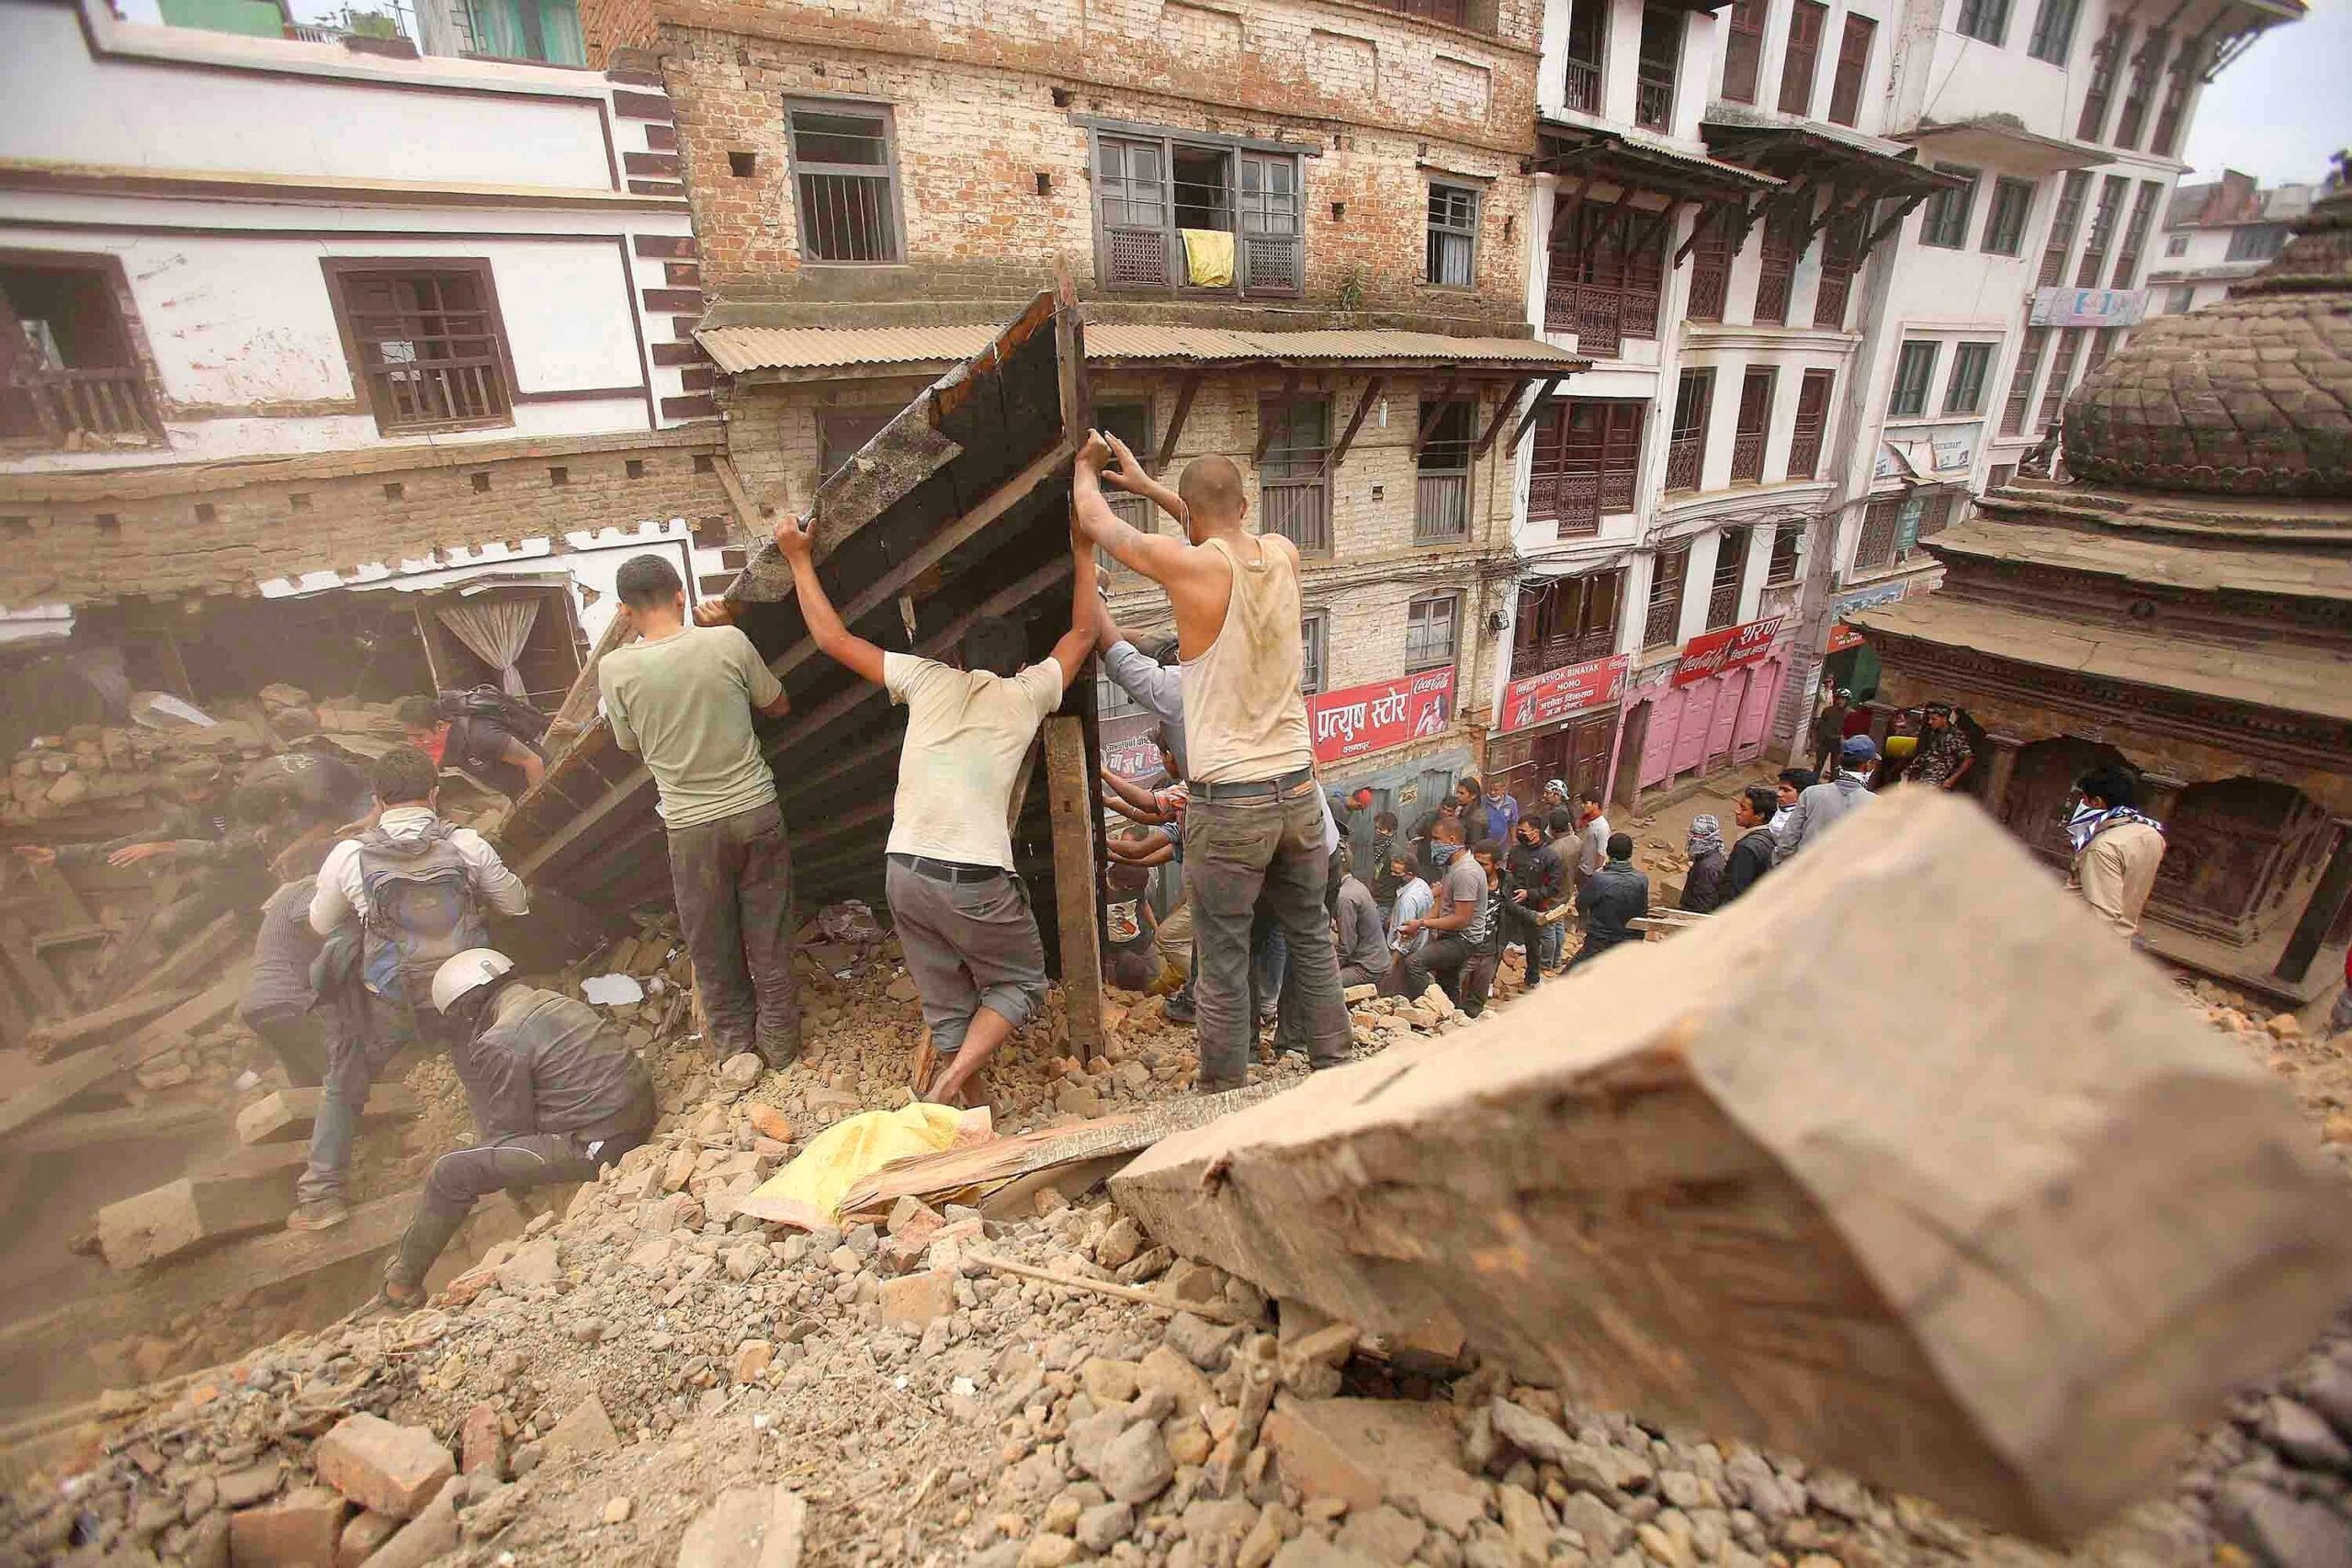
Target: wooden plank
(1355, 421)
(182, 1215)
(1662, 1186)
(1534, 411)
(1186, 392)
(1502, 411)
(201, 956)
(39, 981)
(54, 1038)
(56, 1085)
(579, 705)
(1437, 410)
(94, 1129)
(1003, 1160)
(285, 1115)
(1077, 899)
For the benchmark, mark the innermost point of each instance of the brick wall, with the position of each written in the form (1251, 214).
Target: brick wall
(977, 122)
(609, 25)
(81, 539)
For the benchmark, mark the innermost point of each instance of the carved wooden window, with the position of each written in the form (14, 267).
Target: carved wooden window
(425, 340)
(1744, 49)
(1686, 451)
(1783, 229)
(2053, 395)
(1587, 458)
(2110, 212)
(2004, 224)
(1653, 67)
(1781, 568)
(1608, 268)
(1567, 620)
(1841, 241)
(1755, 424)
(2107, 59)
(1730, 577)
(1811, 424)
(2062, 224)
(1853, 67)
(1710, 266)
(1663, 621)
(2019, 402)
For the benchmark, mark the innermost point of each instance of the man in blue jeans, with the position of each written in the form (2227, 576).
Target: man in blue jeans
(1254, 823)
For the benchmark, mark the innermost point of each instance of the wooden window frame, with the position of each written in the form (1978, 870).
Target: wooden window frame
(2139, 90)
(2098, 94)
(1271, 407)
(1566, 620)
(1582, 75)
(1809, 434)
(133, 381)
(2016, 405)
(1315, 646)
(2172, 115)
(1597, 284)
(1686, 447)
(1945, 223)
(338, 272)
(1986, 21)
(2006, 216)
(1832, 293)
(1856, 38)
(1137, 510)
(2135, 234)
(1723, 593)
(1425, 467)
(1447, 229)
(1662, 611)
(1654, 98)
(1416, 607)
(1777, 252)
(2062, 362)
(796, 170)
(1964, 392)
(1781, 565)
(2053, 31)
(1710, 259)
(1744, 49)
(1237, 151)
(2073, 192)
(1875, 542)
(1753, 426)
(1800, 55)
(2107, 217)
(1927, 352)
(1572, 494)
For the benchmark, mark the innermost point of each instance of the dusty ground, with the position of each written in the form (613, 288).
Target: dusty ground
(650, 1353)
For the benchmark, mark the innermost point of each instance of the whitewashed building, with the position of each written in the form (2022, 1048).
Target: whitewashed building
(2219, 232)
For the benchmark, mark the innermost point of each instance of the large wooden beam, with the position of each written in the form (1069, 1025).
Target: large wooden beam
(181, 1215)
(1185, 392)
(1437, 410)
(1503, 406)
(1070, 769)
(1355, 421)
(1534, 411)
(1997, 1266)
(579, 705)
(55, 1085)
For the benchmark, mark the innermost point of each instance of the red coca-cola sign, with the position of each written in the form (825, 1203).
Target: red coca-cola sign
(1712, 653)
(1358, 719)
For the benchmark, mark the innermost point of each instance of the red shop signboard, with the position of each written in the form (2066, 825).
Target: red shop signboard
(1564, 692)
(1712, 653)
(1386, 712)
(1843, 636)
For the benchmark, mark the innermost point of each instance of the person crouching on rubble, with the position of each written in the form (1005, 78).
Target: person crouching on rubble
(963, 914)
(394, 904)
(561, 1095)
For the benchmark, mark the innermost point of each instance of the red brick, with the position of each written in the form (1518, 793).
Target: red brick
(301, 1530)
(391, 1469)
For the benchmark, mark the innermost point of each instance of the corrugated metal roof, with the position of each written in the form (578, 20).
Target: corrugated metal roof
(739, 349)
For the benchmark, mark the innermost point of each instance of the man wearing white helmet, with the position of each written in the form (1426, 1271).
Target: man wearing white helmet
(558, 1095)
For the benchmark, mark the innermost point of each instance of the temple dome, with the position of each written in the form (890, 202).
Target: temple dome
(2252, 396)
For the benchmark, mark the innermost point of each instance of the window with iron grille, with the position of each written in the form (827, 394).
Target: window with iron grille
(1972, 363)
(1587, 453)
(1608, 268)
(1441, 480)
(1811, 424)
(1744, 49)
(2136, 236)
(841, 432)
(1662, 624)
(1915, 372)
(1453, 236)
(1432, 624)
(1295, 474)
(2021, 379)
(1653, 67)
(1853, 67)
(1755, 421)
(1800, 57)
(2061, 229)
(2256, 241)
(1841, 241)
(1131, 422)
(1777, 266)
(1587, 33)
(2147, 70)
(2103, 340)
(1150, 192)
(425, 340)
(1780, 569)
(1686, 452)
(2111, 192)
(69, 376)
(2005, 222)
(1874, 546)
(2062, 372)
(1934, 513)
(2053, 31)
(846, 178)
(2107, 59)
(1946, 222)
(1731, 574)
(1985, 19)
(1565, 621)
(1314, 631)
(2186, 67)
(1710, 267)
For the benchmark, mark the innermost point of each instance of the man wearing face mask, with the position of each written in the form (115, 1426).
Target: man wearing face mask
(2116, 848)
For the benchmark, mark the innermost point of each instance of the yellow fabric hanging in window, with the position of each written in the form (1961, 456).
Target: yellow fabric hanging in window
(1208, 258)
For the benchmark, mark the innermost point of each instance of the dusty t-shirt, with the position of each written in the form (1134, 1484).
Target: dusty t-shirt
(966, 733)
(1465, 883)
(684, 702)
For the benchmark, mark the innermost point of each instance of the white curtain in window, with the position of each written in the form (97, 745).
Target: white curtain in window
(495, 630)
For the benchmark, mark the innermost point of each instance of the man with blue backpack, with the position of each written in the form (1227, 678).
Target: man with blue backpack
(394, 904)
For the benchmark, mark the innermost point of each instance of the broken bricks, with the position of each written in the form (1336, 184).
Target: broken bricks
(381, 1466)
(1697, 1183)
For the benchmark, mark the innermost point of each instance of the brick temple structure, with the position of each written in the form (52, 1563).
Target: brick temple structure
(2182, 605)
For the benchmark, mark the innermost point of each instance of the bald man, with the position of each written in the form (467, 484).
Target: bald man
(1254, 823)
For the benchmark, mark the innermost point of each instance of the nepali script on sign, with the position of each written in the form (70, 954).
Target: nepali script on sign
(1358, 719)
(1711, 653)
(1564, 692)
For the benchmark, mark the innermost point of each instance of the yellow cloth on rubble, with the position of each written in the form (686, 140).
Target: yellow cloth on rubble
(1208, 258)
(809, 1191)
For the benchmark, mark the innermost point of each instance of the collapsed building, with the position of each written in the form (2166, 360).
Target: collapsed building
(2180, 606)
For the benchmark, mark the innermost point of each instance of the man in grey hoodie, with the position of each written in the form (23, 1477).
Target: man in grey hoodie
(1819, 807)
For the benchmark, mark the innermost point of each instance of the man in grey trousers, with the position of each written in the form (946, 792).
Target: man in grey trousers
(681, 697)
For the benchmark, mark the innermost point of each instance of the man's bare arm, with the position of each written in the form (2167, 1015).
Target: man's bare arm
(1157, 556)
(1128, 473)
(833, 639)
(522, 757)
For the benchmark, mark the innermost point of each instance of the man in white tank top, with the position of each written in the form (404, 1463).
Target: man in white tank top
(1255, 822)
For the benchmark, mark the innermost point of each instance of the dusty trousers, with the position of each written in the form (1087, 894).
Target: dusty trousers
(733, 881)
(1242, 842)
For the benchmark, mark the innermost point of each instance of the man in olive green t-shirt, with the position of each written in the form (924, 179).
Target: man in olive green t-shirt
(681, 697)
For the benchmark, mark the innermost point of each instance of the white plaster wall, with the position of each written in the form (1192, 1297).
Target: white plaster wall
(62, 105)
